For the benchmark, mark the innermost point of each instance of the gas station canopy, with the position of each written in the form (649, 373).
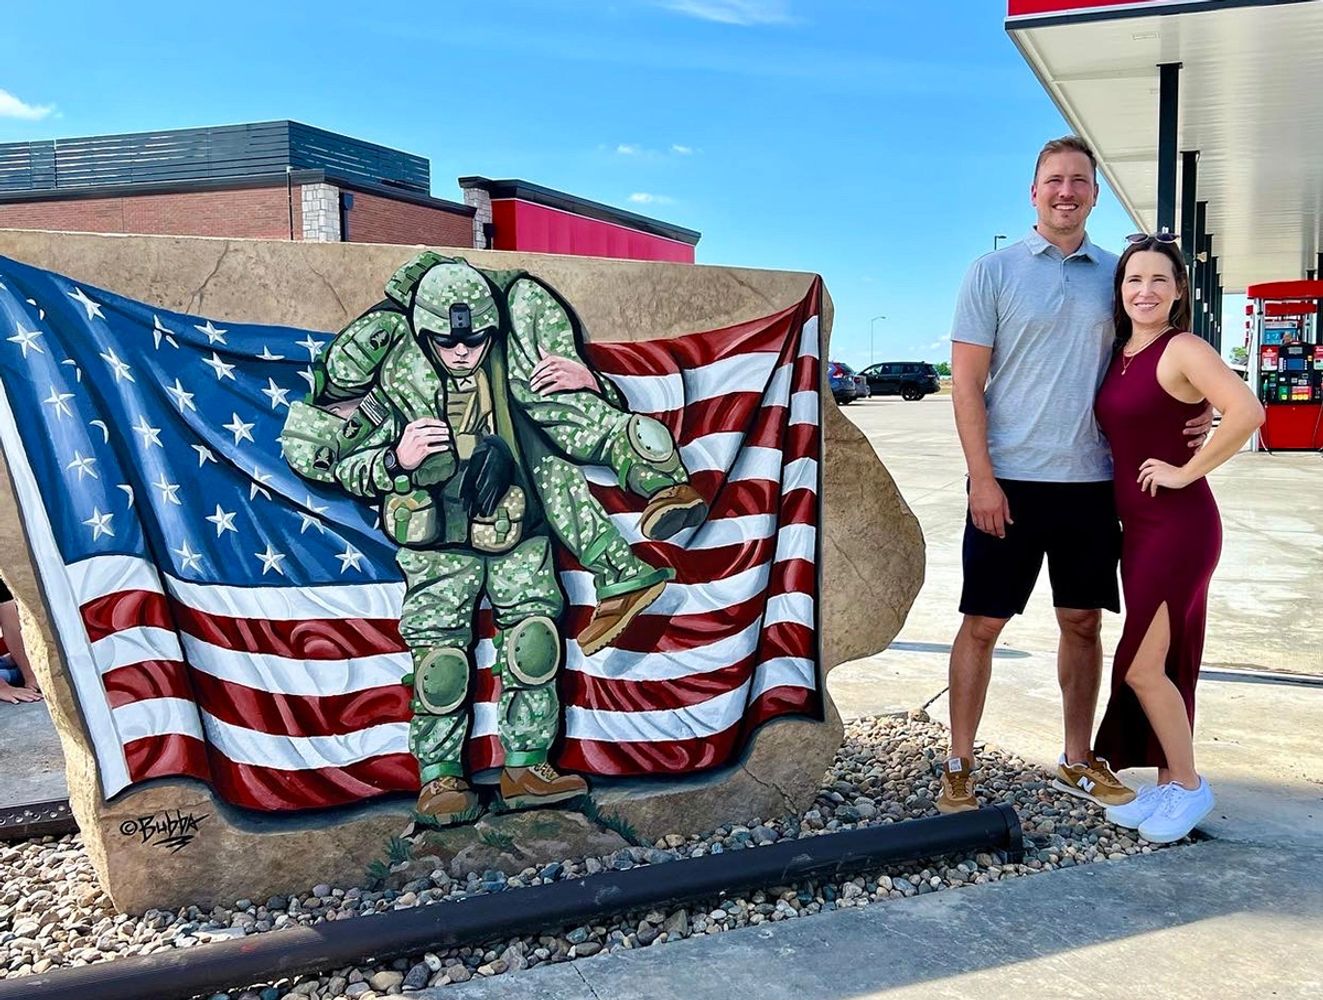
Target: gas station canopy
(1250, 101)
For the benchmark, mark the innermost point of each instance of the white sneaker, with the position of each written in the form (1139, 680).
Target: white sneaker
(1138, 809)
(1179, 811)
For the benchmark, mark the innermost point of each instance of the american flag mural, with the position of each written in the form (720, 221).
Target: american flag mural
(221, 618)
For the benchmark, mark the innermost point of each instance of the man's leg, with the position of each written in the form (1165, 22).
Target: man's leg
(1079, 672)
(527, 605)
(970, 670)
(436, 621)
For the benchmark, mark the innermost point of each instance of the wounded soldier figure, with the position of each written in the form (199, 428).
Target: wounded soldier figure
(462, 406)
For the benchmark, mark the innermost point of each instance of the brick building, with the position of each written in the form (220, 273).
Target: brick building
(286, 180)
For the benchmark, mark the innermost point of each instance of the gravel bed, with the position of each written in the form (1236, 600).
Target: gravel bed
(54, 914)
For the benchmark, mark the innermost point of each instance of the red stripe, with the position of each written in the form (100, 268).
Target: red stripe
(148, 679)
(125, 609)
(663, 357)
(616, 695)
(675, 633)
(663, 757)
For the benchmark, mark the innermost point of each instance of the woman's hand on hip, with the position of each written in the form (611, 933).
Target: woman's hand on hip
(1154, 473)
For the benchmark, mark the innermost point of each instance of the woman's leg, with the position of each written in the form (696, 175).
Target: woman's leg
(1162, 702)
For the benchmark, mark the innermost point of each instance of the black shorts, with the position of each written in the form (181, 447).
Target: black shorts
(1073, 524)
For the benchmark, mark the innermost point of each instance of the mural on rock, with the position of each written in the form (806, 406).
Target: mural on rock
(454, 552)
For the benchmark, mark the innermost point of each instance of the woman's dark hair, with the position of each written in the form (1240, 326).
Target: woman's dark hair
(1180, 317)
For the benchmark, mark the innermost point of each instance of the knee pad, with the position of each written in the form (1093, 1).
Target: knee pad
(440, 679)
(650, 457)
(649, 439)
(532, 651)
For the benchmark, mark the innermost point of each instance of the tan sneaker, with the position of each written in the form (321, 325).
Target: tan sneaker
(613, 615)
(957, 786)
(448, 800)
(1092, 779)
(672, 510)
(539, 785)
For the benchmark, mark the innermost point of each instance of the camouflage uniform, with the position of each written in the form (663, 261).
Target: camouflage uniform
(449, 558)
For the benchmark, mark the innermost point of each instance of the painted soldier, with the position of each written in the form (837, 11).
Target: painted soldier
(474, 414)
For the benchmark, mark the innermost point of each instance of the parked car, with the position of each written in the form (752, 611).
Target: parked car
(844, 388)
(862, 391)
(907, 379)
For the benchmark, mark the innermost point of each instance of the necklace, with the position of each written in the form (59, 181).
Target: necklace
(1129, 356)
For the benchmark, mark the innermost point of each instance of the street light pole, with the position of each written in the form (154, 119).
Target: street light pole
(872, 325)
(998, 237)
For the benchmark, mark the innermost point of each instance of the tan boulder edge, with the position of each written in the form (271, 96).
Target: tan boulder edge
(872, 553)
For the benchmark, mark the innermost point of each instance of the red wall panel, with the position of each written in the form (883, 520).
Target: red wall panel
(522, 225)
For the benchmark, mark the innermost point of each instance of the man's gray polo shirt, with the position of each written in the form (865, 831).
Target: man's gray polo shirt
(1048, 320)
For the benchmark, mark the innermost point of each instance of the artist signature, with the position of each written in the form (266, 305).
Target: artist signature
(172, 828)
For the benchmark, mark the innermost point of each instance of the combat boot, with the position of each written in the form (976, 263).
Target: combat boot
(672, 510)
(448, 800)
(539, 785)
(613, 615)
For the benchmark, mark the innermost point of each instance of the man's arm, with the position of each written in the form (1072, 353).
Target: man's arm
(969, 379)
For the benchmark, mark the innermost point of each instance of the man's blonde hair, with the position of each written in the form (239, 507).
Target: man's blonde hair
(1067, 144)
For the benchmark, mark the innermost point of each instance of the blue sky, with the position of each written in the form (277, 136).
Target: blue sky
(873, 142)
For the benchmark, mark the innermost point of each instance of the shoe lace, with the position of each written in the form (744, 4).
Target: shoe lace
(959, 782)
(545, 771)
(1171, 798)
(1101, 771)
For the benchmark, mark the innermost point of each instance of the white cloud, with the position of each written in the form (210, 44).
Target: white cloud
(628, 149)
(644, 198)
(12, 107)
(679, 150)
(741, 12)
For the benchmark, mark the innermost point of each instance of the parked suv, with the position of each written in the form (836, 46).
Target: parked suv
(906, 379)
(844, 385)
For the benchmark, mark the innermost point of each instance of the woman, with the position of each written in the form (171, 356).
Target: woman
(1172, 534)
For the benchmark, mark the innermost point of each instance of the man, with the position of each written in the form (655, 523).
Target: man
(470, 411)
(1030, 343)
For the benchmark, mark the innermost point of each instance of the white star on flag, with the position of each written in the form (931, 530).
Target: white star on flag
(128, 492)
(310, 519)
(271, 559)
(78, 372)
(223, 520)
(150, 435)
(266, 355)
(276, 394)
(121, 370)
(101, 426)
(307, 376)
(188, 559)
(205, 454)
(240, 430)
(260, 479)
(183, 398)
(169, 491)
(93, 309)
(313, 347)
(100, 524)
(25, 339)
(350, 558)
(221, 369)
(159, 330)
(214, 333)
(83, 465)
(59, 400)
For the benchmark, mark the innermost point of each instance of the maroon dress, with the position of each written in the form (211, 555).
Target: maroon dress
(1170, 546)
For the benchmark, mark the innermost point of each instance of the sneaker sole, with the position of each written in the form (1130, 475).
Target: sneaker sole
(521, 802)
(673, 520)
(947, 808)
(1172, 839)
(1080, 793)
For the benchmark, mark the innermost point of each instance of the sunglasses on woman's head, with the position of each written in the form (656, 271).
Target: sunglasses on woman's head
(1162, 237)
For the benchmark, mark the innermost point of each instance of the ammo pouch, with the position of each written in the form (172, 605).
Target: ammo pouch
(504, 529)
(413, 518)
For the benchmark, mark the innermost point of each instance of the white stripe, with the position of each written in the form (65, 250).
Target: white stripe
(133, 645)
(158, 717)
(801, 474)
(363, 600)
(707, 718)
(797, 541)
(778, 387)
(712, 534)
(748, 372)
(808, 338)
(783, 671)
(300, 678)
(622, 664)
(756, 463)
(101, 575)
(301, 753)
(61, 600)
(484, 719)
(793, 609)
(804, 406)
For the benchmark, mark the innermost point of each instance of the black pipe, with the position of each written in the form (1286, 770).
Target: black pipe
(37, 819)
(1169, 107)
(1189, 189)
(179, 972)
